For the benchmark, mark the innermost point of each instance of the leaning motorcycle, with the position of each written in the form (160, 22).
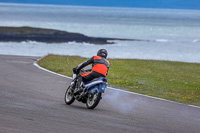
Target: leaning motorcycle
(90, 95)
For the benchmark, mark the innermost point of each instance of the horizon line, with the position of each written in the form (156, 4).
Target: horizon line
(91, 6)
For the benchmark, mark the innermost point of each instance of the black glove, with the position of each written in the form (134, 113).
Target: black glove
(75, 71)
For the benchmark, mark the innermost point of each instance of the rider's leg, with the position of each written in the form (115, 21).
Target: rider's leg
(91, 75)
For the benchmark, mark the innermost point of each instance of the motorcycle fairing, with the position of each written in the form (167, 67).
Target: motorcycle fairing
(100, 84)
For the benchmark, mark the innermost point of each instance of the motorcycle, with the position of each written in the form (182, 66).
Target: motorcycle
(91, 94)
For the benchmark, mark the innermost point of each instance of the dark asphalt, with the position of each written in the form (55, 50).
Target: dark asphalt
(32, 101)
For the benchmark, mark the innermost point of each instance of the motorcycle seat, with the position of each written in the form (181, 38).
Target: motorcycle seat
(95, 79)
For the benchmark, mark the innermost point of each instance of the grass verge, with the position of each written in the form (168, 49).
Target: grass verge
(176, 81)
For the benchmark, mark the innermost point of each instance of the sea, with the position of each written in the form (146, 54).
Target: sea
(173, 35)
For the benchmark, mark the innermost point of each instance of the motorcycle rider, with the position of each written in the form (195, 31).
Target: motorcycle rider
(100, 67)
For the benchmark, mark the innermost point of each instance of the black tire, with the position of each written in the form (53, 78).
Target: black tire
(93, 100)
(69, 96)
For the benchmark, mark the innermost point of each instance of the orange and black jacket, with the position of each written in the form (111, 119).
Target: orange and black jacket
(99, 64)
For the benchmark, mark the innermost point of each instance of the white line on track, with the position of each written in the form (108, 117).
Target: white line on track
(35, 64)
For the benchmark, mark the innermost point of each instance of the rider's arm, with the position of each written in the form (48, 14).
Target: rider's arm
(82, 65)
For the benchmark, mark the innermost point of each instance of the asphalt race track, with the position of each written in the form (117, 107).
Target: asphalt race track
(32, 101)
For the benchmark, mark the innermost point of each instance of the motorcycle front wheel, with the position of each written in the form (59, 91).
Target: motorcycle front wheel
(93, 100)
(69, 96)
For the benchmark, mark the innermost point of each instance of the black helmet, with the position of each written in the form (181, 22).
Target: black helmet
(102, 53)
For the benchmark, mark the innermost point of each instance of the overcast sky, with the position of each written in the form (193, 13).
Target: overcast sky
(175, 4)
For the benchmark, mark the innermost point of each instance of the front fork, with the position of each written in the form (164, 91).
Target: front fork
(73, 86)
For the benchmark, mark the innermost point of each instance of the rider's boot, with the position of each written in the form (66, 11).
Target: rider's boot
(82, 86)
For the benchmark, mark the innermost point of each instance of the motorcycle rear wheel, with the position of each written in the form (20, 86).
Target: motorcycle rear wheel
(93, 100)
(69, 96)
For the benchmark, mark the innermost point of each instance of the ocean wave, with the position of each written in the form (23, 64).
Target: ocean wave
(163, 40)
(123, 50)
(196, 40)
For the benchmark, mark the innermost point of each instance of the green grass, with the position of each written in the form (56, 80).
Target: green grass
(175, 81)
